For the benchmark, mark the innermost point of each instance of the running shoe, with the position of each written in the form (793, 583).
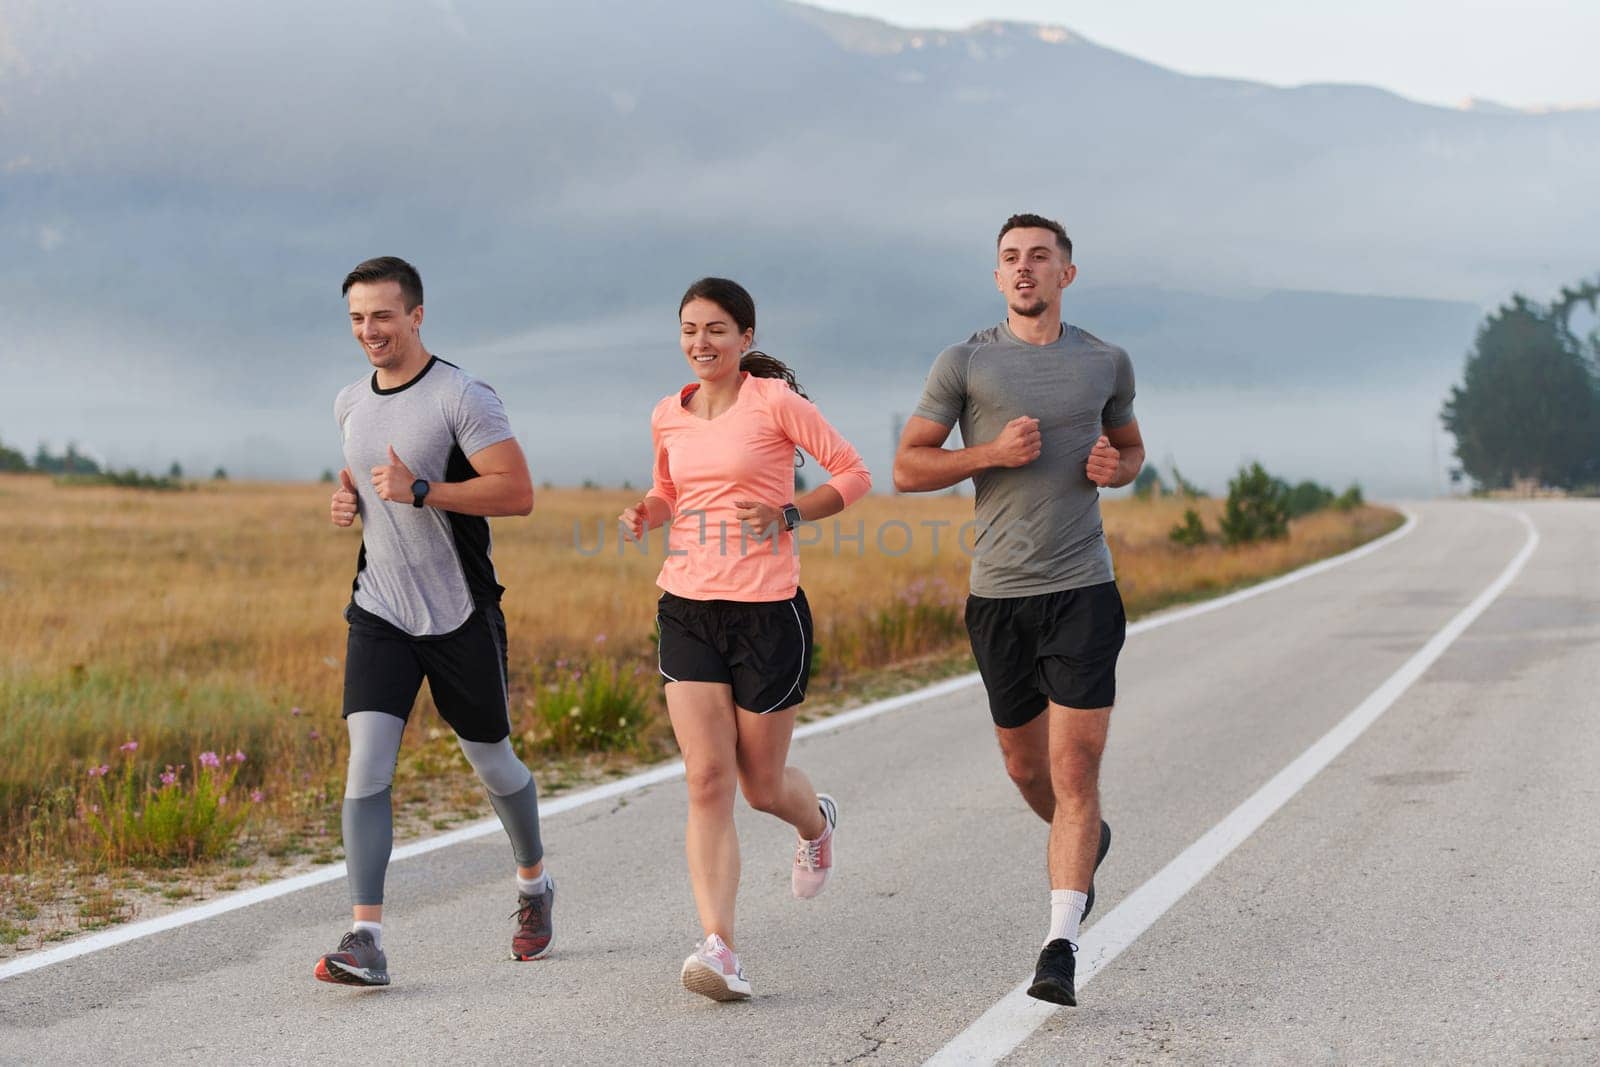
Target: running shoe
(1099, 858)
(1052, 978)
(713, 971)
(358, 961)
(536, 927)
(814, 859)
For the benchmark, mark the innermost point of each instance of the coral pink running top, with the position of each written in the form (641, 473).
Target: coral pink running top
(747, 453)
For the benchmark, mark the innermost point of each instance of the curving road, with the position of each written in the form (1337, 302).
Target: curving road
(1357, 821)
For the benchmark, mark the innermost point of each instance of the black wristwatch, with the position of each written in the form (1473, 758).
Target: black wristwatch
(791, 517)
(419, 489)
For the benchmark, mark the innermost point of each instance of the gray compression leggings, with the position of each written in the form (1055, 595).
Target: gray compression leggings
(369, 814)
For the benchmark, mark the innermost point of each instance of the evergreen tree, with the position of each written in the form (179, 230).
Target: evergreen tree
(1148, 483)
(1529, 404)
(1257, 509)
(11, 459)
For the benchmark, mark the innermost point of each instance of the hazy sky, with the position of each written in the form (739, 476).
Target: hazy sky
(1528, 53)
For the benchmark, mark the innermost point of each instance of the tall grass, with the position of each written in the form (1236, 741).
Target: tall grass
(210, 621)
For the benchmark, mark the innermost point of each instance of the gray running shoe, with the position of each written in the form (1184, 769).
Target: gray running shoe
(536, 928)
(358, 961)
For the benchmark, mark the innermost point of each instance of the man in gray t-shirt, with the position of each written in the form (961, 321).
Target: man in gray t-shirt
(429, 457)
(1046, 414)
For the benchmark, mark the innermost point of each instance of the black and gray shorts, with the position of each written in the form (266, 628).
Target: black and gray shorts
(763, 650)
(1059, 647)
(466, 671)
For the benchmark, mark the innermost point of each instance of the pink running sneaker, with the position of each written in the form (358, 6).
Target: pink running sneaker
(713, 971)
(814, 859)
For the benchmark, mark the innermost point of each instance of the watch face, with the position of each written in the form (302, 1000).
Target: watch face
(419, 488)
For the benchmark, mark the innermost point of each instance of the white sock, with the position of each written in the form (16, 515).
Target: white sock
(1066, 911)
(375, 929)
(532, 887)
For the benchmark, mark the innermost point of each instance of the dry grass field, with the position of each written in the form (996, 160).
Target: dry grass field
(209, 621)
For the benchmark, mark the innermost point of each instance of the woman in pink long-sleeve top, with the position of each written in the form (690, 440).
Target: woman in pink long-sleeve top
(735, 629)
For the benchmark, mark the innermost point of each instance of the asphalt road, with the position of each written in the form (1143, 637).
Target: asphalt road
(1431, 895)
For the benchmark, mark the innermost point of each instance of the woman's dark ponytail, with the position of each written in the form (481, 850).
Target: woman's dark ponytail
(761, 365)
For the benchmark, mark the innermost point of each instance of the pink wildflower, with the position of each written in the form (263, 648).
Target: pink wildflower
(314, 735)
(100, 771)
(294, 711)
(168, 777)
(599, 639)
(256, 796)
(237, 757)
(129, 746)
(209, 759)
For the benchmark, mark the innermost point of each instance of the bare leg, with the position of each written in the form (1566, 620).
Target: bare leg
(769, 784)
(703, 720)
(1077, 740)
(1026, 750)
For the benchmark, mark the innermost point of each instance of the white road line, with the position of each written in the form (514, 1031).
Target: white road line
(655, 775)
(1009, 1022)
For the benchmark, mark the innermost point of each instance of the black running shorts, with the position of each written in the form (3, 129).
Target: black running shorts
(466, 671)
(1059, 647)
(763, 650)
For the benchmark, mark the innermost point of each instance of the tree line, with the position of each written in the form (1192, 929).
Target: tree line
(74, 468)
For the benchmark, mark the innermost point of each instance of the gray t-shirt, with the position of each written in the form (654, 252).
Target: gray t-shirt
(421, 569)
(1037, 526)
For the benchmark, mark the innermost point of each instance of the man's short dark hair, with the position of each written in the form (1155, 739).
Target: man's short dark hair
(1038, 222)
(388, 269)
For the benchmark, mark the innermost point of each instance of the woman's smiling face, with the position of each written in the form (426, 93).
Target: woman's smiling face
(711, 341)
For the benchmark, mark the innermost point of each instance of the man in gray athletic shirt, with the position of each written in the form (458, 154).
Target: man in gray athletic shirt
(1046, 413)
(435, 457)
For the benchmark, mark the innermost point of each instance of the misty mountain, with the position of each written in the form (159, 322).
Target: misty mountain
(182, 187)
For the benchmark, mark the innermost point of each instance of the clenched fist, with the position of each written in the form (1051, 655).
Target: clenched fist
(635, 521)
(1104, 461)
(1018, 444)
(344, 505)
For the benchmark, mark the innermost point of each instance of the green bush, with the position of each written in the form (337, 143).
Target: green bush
(598, 706)
(1190, 532)
(1307, 497)
(1350, 499)
(172, 823)
(1257, 509)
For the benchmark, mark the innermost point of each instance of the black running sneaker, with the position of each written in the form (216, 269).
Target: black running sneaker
(1052, 978)
(359, 961)
(1099, 858)
(536, 928)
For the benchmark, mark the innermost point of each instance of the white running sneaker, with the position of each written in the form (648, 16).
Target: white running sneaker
(814, 859)
(713, 971)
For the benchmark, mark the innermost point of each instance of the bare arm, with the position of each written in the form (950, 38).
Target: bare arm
(922, 464)
(1117, 457)
(503, 485)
